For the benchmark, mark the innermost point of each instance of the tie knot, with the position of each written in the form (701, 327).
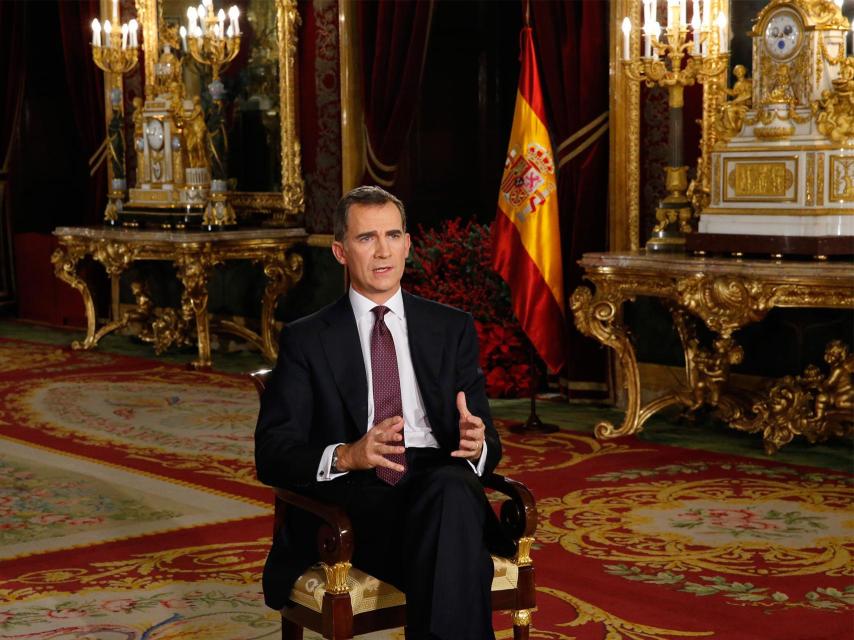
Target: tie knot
(380, 312)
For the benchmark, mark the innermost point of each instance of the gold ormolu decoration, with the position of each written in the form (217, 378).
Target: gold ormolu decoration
(523, 553)
(725, 295)
(732, 112)
(521, 617)
(336, 577)
(812, 405)
(771, 179)
(834, 111)
(195, 255)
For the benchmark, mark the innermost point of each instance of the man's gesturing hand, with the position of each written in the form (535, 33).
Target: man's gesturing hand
(368, 451)
(471, 432)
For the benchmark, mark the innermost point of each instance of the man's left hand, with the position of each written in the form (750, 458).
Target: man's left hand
(471, 432)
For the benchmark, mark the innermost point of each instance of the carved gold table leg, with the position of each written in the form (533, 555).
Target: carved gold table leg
(595, 316)
(64, 260)
(194, 271)
(282, 272)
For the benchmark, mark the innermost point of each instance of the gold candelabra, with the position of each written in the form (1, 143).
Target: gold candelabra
(116, 54)
(210, 43)
(207, 39)
(675, 59)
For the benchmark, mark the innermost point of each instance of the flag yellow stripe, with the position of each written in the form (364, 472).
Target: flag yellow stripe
(540, 231)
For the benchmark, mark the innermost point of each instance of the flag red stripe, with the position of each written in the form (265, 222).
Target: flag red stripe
(529, 79)
(533, 302)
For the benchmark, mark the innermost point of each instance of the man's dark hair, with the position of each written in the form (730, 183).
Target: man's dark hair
(364, 195)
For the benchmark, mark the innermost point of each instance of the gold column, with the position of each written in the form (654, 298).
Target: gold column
(624, 214)
(352, 115)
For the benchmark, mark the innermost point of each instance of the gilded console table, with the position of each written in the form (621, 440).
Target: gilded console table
(725, 294)
(195, 254)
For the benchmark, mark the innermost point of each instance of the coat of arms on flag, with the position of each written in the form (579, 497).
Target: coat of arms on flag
(529, 178)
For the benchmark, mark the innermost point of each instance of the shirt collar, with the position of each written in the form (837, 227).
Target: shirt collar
(362, 305)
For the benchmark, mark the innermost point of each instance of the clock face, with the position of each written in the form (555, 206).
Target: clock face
(784, 34)
(154, 133)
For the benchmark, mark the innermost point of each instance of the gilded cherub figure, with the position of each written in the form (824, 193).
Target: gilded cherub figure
(196, 134)
(837, 390)
(732, 113)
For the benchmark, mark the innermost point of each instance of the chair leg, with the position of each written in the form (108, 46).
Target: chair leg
(291, 630)
(521, 624)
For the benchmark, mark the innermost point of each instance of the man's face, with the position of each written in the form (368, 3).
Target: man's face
(374, 250)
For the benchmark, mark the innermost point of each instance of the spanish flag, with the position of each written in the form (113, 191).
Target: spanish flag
(526, 233)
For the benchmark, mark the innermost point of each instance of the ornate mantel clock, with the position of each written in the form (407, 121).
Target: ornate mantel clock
(783, 168)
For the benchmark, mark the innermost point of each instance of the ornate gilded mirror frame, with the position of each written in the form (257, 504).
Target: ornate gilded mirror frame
(283, 207)
(625, 169)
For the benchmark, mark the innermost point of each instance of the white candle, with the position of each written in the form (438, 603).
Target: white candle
(202, 12)
(230, 31)
(220, 16)
(670, 12)
(653, 4)
(183, 32)
(656, 33)
(696, 27)
(124, 37)
(96, 33)
(627, 32)
(647, 39)
(234, 14)
(108, 28)
(133, 25)
(723, 39)
(192, 16)
(116, 11)
(683, 13)
(647, 8)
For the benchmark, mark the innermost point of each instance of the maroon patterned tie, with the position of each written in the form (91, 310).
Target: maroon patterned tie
(386, 385)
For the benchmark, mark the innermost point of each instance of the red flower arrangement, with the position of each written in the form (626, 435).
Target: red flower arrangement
(453, 265)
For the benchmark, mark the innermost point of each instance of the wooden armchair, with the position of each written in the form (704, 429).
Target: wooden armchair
(339, 601)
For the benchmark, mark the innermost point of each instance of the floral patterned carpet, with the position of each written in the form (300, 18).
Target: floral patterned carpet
(129, 510)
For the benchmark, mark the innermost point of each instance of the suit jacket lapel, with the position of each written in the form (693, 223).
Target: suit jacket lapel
(424, 340)
(344, 353)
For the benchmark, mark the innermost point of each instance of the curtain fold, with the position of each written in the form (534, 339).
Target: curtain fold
(13, 17)
(394, 45)
(86, 90)
(572, 47)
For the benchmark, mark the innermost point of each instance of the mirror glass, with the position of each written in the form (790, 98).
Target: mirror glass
(252, 84)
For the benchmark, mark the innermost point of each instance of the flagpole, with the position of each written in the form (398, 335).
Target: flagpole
(533, 424)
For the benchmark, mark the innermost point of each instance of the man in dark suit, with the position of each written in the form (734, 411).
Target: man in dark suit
(377, 403)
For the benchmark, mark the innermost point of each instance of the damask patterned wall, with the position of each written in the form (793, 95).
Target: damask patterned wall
(320, 111)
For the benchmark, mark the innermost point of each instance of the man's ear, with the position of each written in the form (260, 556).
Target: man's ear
(407, 243)
(338, 252)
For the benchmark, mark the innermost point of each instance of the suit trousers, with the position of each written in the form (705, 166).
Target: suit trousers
(425, 536)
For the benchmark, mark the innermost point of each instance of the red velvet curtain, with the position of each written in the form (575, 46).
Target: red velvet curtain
(572, 47)
(394, 45)
(86, 89)
(13, 17)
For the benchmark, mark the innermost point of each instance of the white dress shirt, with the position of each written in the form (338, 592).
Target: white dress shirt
(416, 426)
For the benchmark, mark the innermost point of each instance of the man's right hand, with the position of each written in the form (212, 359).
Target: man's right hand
(369, 451)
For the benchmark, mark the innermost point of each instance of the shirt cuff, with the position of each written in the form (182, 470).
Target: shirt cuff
(324, 469)
(481, 463)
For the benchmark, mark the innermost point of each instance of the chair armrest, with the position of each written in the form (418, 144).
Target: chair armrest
(335, 536)
(519, 514)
